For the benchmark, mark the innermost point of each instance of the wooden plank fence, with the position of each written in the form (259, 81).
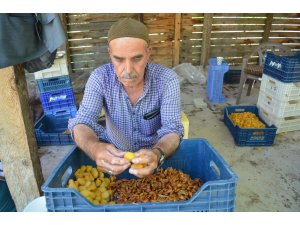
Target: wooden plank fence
(181, 38)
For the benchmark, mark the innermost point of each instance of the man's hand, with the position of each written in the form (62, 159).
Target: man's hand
(109, 159)
(147, 157)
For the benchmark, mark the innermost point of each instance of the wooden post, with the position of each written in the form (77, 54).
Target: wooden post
(64, 22)
(267, 29)
(141, 17)
(205, 49)
(18, 151)
(177, 34)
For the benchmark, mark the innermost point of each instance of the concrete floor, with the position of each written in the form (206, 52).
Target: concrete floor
(269, 177)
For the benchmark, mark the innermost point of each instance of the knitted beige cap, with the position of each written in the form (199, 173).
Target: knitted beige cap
(128, 27)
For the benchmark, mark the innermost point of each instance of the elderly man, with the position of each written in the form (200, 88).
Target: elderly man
(141, 102)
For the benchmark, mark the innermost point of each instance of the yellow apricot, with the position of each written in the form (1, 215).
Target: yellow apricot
(102, 189)
(89, 168)
(137, 166)
(96, 202)
(106, 181)
(78, 174)
(71, 181)
(72, 184)
(129, 155)
(90, 199)
(81, 181)
(98, 182)
(92, 187)
(95, 172)
(86, 193)
(81, 188)
(82, 169)
(105, 195)
(103, 201)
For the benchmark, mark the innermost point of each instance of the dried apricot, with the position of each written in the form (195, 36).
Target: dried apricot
(246, 120)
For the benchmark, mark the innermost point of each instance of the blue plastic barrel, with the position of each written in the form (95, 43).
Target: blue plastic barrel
(214, 84)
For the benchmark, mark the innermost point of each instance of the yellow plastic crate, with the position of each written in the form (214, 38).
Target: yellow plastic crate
(185, 122)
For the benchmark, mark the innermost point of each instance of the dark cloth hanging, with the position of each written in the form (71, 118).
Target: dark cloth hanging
(30, 39)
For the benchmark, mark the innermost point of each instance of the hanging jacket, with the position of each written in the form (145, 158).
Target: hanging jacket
(30, 39)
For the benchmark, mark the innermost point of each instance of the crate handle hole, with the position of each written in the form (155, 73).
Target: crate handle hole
(240, 110)
(258, 133)
(53, 79)
(66, 176)
(60, 112)
(215, 168)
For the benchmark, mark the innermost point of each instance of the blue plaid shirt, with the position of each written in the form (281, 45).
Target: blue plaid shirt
(126, 127)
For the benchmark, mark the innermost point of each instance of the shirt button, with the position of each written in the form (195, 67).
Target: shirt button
(134, 129)
(133, 113)
(135, 143)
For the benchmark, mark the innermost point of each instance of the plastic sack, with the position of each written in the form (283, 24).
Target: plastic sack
(191, 73)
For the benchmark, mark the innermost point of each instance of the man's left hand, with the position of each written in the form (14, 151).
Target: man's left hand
(146, 157)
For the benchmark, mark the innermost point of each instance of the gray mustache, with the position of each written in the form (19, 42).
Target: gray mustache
(129, 75)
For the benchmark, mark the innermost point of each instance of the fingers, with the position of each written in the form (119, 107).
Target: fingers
(148, 159)
(110, 160)
(114, 151)
(142, 172)
(112, 168)
(112, 155)
(145, 156)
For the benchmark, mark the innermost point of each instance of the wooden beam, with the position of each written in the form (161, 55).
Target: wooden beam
(207, 26)
(177, 39)
(64, 22)
(267, 29)
(19, 151)
(141, 17)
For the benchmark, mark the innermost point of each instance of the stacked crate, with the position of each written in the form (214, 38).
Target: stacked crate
(58, 101)
(58, 68)
(279, 96)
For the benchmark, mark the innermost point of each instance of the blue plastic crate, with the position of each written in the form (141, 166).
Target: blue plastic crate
(215, 77)
(249, 136)
(60, 99)
(50, 128)
(195, 157)
(54, 83)
(283, 68)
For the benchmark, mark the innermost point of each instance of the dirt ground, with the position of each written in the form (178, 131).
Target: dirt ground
(269, 177)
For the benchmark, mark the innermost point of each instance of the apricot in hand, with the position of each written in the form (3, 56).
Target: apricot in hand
(129, 155)
(137, 166)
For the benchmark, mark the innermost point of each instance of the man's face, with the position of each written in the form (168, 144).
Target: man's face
(129, 57)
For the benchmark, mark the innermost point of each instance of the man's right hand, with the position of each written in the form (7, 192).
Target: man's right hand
(108, 158)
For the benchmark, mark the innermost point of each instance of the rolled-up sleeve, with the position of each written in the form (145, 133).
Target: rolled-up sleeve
(90, 106)
(170, 109)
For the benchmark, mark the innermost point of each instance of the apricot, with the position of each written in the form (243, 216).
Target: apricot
(137, 166)
(129, 155)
